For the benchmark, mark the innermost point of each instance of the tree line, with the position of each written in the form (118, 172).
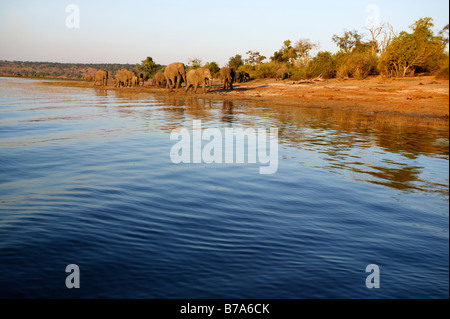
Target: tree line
(386, 52)
(63, 70)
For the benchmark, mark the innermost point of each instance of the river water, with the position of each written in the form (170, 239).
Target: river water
(86, 178)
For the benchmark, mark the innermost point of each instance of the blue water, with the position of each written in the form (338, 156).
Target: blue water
(86, 179)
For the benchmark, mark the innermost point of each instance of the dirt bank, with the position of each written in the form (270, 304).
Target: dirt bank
(418, 96)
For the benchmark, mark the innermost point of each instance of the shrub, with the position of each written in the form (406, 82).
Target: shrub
(266, 70)
(322, 64)
(355, 64)
(443, 71)
(297, 73)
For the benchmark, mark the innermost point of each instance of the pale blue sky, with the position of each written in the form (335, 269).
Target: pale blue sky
(175, 30)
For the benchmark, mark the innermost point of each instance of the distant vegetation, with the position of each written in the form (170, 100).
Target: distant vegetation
(58, 70)
(381, 51)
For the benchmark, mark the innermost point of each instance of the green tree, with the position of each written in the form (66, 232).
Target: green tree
(286, 54)
(303, 48)
(297, 54)
(235, 62)
(194, 63)
(277, 57)
(409, 52)
(254, 58)
(149, 67)
(348, 40)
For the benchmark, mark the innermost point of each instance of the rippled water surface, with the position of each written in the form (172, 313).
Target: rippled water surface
(86, 178)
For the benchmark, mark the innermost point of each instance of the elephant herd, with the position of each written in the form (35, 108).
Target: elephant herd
(229, 75)
(175, 74)
(124, 78)
(99, 77)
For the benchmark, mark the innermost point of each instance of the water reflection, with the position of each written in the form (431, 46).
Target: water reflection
(376, 148)
(339, 131)
(227, 111)
(101, 92)
(389, 150)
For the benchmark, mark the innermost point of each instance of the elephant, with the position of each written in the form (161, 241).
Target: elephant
(282, 73)
(175, 73)
(124, 77)
(121, 78)
(241, 76)
(197, 77)
(142, 78)
(134, 80)
(227, 75)
(238, 77)
(102, 77)
(159, 79)
(88, 77)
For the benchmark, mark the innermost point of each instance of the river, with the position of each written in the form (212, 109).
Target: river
(86, 178)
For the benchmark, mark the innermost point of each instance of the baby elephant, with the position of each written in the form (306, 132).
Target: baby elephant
(239, 77)
(159, 79)
(198, 77)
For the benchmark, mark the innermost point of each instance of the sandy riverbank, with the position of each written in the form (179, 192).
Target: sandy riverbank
(419, 96)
